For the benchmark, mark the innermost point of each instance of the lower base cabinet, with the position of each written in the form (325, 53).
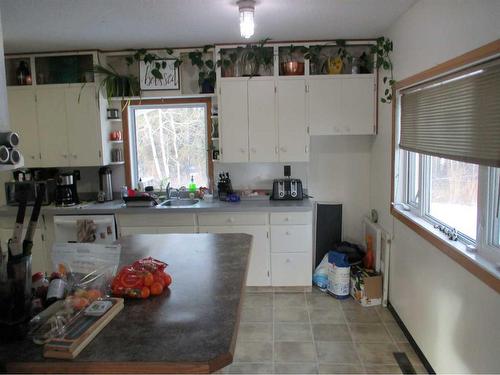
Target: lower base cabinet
(259, 267)
(291, 269)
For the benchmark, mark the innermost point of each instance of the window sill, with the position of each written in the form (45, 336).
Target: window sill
(482, 268)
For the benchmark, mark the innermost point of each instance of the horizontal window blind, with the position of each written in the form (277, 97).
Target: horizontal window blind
(455, 117)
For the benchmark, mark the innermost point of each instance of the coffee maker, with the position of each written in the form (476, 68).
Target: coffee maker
(66, 193)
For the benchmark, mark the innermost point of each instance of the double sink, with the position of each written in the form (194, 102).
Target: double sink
(178, 203)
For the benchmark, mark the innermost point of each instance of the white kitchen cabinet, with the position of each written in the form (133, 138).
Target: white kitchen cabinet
(262, 130)
(23, 120)
(82, 115)
(52, 129)
(358, 104)
(291, 238)
(342, 105)
(167, 230)
(325, 105)
(292, 127)
(131, 231)
(233, 120)
(259, 267)
(291, 269)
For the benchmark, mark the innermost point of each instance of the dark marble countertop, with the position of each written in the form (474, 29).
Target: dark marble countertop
(190, 328)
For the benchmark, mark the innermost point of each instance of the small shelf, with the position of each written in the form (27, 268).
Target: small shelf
(114, 119)
(215, 138)
(116, 162)
(116, 142)
(187, 96)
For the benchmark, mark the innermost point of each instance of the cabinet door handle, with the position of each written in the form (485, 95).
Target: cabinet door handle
(253, 150)
(283, 149)
(288, 260)
(287, 218)
(231, 220)
(287, 233)
(242, 150)
(75, 156)
(64, 156)
(276, 150)
(33, 157)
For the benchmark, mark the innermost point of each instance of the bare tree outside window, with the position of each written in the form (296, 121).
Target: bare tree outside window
(171, 144)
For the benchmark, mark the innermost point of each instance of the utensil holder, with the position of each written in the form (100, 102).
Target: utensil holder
(15, 297)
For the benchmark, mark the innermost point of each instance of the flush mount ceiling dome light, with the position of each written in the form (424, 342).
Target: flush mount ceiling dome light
(247, 9)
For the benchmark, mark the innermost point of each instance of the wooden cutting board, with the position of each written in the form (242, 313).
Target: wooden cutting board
(80, 332)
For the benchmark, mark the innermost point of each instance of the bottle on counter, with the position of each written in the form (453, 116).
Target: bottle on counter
(192, 185)
(57, 289)
(140, 185)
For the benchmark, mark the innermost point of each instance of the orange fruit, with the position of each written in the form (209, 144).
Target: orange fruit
(156, 288)
(94, 294)
(167, 279)
(145, 292)
(148, 279)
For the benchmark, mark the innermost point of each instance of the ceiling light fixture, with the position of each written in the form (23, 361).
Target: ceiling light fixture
(247, 9)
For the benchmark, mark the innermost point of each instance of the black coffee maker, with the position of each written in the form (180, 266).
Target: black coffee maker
(66, 193)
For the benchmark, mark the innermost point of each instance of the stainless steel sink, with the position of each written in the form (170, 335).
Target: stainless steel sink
(179, 202)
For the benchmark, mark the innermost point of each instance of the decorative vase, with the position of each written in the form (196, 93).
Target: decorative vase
(292, 68)
(335, 65)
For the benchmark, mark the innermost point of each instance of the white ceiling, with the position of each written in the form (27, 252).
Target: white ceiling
(55, 25)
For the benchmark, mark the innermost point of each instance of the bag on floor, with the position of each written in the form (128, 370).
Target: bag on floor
(320, 276)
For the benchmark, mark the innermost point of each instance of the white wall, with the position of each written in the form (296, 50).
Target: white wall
(452, 315)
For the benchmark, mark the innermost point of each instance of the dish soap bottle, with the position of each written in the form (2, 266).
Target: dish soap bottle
(140, 185)
(192, 185)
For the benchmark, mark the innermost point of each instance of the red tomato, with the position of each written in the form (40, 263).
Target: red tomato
(167, 279)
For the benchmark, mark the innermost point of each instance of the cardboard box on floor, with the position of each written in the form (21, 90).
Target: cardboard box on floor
(366, 288)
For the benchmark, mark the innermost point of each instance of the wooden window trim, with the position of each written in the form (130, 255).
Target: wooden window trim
(476, 55)
(126, 133)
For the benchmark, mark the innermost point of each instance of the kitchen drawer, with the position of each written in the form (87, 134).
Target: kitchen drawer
(132, 231)
(291, 238)
(236, 218)
(286, 218)
(156, 219)
(291, 269)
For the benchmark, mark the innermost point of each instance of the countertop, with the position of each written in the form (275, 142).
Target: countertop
(117, 206)
(191, 328)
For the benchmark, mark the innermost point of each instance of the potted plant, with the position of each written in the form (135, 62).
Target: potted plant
(316, 59)
(291, 65)
(264, 56)
(206, 67)
(115, 84)
(227, 62)
(382, 51)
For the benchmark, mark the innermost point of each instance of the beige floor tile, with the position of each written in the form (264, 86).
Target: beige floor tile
(257, 314)
(385, 314)
(396, 332)
(372, 332)
(292, 332)
(253, 300)
(253, 352)
(377, 353)
(291, 315)
(336, 352)
(255, 332)
(412, 356)
(332, 316)
(364, 315)
(248, 368)
(321, 301)
(330, 368)
(351, 304)
(295, 352)
(259, 289)
(289, 300)
(295, 368)
(331, 332)
(383, 369)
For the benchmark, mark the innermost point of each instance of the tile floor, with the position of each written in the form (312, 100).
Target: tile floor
(310, 333)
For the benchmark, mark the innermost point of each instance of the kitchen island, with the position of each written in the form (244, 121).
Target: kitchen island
(190, 328)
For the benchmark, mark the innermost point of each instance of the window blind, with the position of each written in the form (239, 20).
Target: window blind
(456, 116)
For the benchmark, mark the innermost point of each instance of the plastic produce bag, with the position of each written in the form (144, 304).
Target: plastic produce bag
(320, 276)
(339, 271)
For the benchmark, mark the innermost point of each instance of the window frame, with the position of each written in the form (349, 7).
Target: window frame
(475, 260)
(129, 134)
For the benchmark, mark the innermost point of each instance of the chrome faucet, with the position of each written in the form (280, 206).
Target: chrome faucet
(168, 191)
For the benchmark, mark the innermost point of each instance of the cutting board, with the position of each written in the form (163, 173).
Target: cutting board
(80, 332)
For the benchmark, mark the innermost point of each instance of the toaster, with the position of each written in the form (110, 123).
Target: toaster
(287, 189)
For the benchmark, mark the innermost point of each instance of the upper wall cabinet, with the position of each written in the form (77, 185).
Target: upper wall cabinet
(293, 138)
(342, 105)
(23, 120)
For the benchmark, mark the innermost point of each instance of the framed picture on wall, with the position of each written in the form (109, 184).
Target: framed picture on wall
(159, 75)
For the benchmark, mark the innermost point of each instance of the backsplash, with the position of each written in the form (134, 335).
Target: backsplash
(259, 175)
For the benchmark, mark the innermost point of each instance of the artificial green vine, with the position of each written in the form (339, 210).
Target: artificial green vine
(383, 50)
